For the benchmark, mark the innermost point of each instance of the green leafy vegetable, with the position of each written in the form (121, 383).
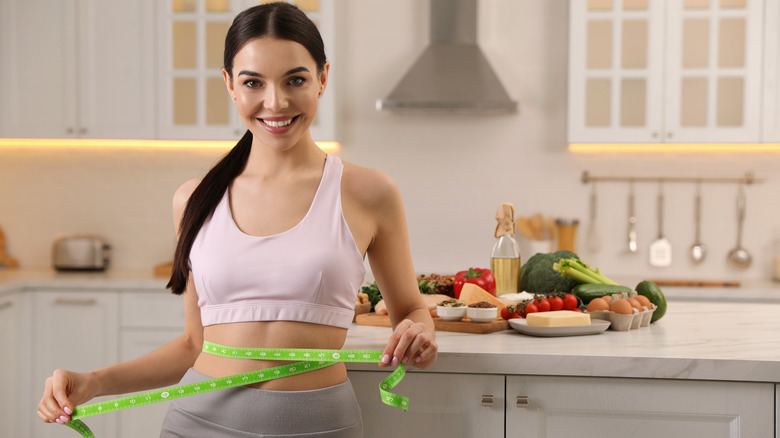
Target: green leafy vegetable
(576, 269)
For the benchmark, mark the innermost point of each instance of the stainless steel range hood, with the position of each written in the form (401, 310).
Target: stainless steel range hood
(452, 74)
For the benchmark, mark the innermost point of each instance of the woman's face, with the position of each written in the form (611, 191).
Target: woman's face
(276, 86)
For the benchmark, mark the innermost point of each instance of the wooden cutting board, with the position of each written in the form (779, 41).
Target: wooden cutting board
(463, 326)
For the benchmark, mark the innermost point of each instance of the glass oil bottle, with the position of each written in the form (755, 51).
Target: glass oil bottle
(505, 258)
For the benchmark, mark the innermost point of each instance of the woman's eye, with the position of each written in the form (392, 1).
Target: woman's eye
(251, 83)
(296, 81)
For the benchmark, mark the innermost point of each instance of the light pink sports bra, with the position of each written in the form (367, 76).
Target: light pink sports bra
(309, 273)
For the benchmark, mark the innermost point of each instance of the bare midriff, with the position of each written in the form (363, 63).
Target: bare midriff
(274, 334)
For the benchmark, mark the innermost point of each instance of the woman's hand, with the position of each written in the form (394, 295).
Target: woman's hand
(410, 343)
(63, 392)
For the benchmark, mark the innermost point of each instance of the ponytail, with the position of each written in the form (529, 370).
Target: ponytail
(201, 205)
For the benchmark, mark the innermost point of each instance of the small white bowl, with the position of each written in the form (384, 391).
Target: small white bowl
(482, 314)
(451, 313)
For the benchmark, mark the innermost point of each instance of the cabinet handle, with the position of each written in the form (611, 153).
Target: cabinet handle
(69, 130)
(6, 305)
(487, 400)
(669, 135)
(522, 401)
(82, 130)
(75, 301)
(655, 134)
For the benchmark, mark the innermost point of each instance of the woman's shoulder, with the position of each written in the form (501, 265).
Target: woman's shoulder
(369, 187)
(182, 195)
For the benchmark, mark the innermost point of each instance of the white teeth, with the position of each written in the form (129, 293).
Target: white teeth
(277, 124)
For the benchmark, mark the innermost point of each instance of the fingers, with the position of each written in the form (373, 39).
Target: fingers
(409, 343)
(54, 406)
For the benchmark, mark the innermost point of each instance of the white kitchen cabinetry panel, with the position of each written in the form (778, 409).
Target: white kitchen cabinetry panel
(15, 345)
(771, 92)
(440, 405)
(78, 69)
(665, 71)
(614, 407)
(194, 102)
(151, 310)
(77, 331)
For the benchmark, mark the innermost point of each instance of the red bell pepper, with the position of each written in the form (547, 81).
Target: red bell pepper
(481, 277)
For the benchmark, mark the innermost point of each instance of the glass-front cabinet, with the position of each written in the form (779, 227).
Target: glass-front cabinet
(652, 71)
(194, 103)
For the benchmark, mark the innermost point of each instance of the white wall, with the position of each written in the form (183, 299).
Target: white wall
(453, 171)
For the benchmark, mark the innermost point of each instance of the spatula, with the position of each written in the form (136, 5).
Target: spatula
(660, 248)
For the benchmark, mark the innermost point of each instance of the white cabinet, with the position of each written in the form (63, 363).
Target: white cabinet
(777, 413)
(148, 320)
(771, 92)
(445, 405)
(15, 400)
(665, 71)
(615, 407)
(76, 331)
(194, 103)
(77, 69)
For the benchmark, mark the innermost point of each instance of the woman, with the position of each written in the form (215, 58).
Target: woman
(270, 255)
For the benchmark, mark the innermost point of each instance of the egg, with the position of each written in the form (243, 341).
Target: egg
(622, 306)
(644, 301)
(598, 304)
(635, 303)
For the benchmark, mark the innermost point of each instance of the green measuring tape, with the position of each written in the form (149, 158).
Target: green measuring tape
(308, 360)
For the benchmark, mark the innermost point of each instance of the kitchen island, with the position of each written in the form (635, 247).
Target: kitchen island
(710, 367)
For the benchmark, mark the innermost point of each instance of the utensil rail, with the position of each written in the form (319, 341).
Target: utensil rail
(749, 178)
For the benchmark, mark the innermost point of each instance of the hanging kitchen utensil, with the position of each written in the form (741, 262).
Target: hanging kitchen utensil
(524, 227)
(660, 248)
(632, 246)
(739, 257)
(592, 242)
(698, 249)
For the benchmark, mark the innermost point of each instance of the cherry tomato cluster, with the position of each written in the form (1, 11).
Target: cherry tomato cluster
(542, 303)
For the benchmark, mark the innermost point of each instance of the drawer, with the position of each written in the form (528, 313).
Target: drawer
(151, 310)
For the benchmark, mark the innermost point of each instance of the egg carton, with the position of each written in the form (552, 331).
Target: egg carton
(622, 322)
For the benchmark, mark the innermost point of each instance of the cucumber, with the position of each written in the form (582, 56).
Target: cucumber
(654, 294)
(587, 292)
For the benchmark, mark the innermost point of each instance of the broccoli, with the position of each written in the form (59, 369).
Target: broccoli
(537, 274)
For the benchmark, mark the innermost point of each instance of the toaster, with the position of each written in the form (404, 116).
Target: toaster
(80, 253)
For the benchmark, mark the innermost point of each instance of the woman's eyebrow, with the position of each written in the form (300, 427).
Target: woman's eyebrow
(287, 73)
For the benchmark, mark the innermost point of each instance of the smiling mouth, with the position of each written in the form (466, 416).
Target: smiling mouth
(279, 123)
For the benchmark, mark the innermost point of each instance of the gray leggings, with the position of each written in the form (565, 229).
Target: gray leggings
(252, 412)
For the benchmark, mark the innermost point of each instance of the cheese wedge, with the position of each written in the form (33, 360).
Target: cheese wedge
(557, 318)
(471, 293)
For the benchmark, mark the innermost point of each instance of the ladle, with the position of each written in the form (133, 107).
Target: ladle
(698, 249)
(739, 257)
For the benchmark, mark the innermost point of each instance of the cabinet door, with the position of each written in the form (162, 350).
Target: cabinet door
(116, 69)
(15, 400)
(615, 71)
(39, 73)
(713, 71)
(614, 407)
(76, 331)
(771, 91)
(143, 421)
(445, 405)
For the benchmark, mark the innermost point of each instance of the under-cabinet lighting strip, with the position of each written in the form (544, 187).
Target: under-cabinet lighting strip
(673, 147)
(328, 146)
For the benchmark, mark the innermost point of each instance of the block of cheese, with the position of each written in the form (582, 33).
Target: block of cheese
(471, 293)
(557, 318)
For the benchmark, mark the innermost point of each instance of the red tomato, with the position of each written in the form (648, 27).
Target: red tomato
(570, 302)
(556, 303)
(507, 312)
(543, 304)
(577, 309)
(530, 308)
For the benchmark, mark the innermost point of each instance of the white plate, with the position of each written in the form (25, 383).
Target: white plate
(596, 326)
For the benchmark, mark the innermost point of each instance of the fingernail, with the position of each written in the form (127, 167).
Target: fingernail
(418, 359)
(386, 359)
(395, 361)
(58, 421)
(68, 410)
(63, 418)
(405, 360)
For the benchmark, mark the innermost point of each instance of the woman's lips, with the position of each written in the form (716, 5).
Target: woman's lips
(278, 125)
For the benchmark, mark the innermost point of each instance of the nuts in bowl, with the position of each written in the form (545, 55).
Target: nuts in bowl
(482, 311)
(451, 310)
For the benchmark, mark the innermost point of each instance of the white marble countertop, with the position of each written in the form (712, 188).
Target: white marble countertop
(694, 340)
(730, 334)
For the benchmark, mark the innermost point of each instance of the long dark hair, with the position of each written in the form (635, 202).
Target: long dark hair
(277, 20)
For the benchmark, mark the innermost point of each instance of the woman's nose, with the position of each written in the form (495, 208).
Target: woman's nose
(276, 98)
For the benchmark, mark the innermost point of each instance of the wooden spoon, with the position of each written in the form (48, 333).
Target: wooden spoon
(524, 227)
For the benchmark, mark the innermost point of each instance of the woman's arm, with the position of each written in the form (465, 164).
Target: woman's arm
(65, 390)
(413, 340)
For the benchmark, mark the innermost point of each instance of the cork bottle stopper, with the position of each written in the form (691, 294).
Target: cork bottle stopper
(506, 219)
